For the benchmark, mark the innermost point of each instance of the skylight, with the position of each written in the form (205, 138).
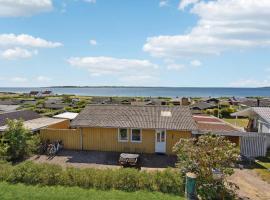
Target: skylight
(166, 114)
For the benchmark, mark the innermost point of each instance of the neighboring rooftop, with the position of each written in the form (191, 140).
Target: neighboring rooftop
(149, 117)
(22, 114)
(66, 115)
(37, 124)
(263, 112)
(207, 123)
(8, 108)
(202, 105)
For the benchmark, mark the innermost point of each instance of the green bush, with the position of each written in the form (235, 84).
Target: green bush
(167, 181)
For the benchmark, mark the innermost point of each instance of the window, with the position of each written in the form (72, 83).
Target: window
(123, 135)
(136, 135)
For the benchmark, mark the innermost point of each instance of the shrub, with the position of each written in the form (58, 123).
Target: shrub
(16, 142)
(167, 181)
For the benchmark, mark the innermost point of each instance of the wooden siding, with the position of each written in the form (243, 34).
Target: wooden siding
(70, 137)
(173, 137)
(61, 125)
(106, 139)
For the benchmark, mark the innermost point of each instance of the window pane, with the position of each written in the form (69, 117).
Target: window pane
(162, 136)
(158, 136)
(123, 134)
(136, 135)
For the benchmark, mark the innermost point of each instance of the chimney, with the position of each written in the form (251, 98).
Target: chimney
(258, 102)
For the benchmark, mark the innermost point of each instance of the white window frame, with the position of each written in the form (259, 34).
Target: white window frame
(135, 141)
(119, 136)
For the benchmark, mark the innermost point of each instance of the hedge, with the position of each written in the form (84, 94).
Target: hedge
(125, 179)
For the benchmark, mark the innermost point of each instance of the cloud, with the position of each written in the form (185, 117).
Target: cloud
(195, 63)
(7, 40)
(185, 3)
(16, 53)
(163, 3)
(223, 25)
(18, 8)
(43, 79)
(93, 42)
(250, 83)
(19, 79)
(118, 67)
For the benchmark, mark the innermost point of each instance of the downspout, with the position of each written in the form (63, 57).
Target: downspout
(81, 137)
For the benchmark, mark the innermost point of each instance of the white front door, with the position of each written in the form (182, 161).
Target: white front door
(160, 144)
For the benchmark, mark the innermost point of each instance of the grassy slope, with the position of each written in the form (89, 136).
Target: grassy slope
(239, 122)
(20, 191)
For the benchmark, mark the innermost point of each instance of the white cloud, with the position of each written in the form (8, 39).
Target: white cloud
(98, 66)
(19, 79)
(251, 83)
(163, 3)
(7, 40)
(90, 1)
(223, 25)
(43, 79)
(16, 8)
(93, 42)
(195, 63)
(16, 53)
(185, 3)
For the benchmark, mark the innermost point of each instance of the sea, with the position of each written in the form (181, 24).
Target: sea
(148, 91)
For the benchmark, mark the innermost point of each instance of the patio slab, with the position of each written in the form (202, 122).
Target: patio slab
(100, 159)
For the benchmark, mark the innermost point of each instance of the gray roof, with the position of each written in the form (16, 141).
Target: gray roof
(126, 116)
(202, 105)
(37, 124)
(22, 114)
(263, 112)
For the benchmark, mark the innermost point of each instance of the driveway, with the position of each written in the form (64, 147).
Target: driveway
(251, 185)
(99, 159)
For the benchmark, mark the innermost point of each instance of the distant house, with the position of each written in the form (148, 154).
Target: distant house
(47, 93)
(201, 106)
(21, 114)
(35, 93)
(126, 128)
(259, 119)
(212, 100)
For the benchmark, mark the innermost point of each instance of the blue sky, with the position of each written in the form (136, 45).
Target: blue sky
(216, 43)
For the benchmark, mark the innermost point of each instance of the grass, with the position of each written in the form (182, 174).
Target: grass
(21, 191)
(238, 122)
(263, 169)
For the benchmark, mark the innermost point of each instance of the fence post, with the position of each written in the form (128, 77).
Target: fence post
(190, 189)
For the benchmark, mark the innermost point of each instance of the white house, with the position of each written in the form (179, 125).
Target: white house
(259, 118)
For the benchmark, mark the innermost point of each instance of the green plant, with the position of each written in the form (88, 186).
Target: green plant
(17, 142)
(203, 155)
(167, 181)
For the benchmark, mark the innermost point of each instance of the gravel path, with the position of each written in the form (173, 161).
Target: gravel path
(251, 186)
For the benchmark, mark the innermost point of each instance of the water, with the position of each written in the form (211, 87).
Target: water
(152, 91)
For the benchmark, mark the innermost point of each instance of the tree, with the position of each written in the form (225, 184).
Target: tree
(206, 156)
(16, 142)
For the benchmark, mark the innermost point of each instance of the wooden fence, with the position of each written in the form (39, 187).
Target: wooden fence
(254, 144)
(70, 137)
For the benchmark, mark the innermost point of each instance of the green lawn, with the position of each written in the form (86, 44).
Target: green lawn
(263, 164)
(238, 122)
(20, 191)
